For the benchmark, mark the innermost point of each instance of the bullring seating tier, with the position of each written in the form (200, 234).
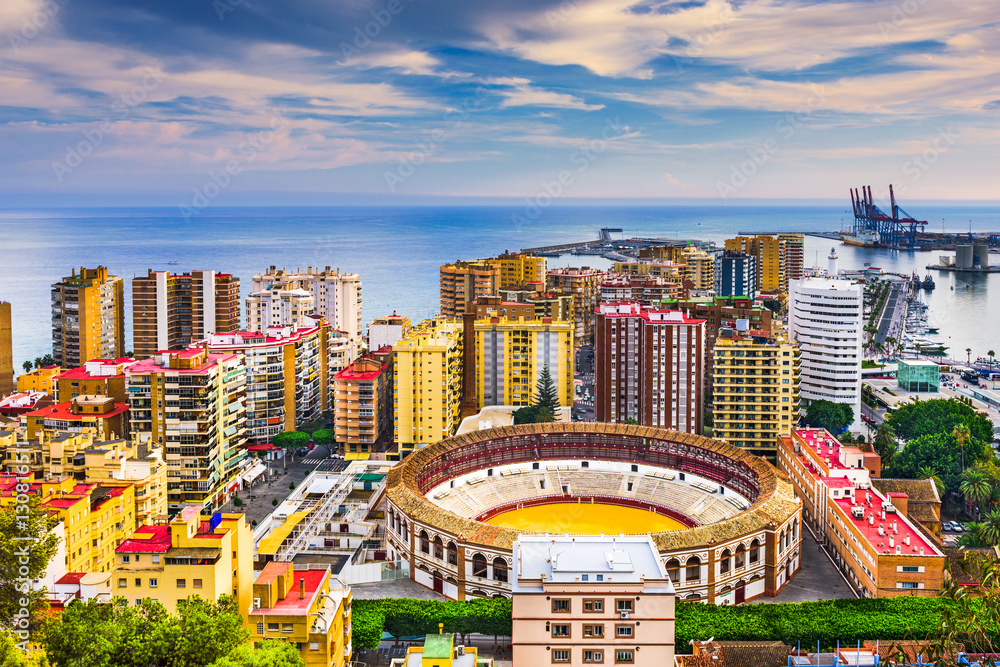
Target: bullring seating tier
(478, 493)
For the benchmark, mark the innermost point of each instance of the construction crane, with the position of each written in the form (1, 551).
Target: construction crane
(898, 230)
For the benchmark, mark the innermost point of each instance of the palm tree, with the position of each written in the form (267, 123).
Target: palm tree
(890, 342)
(885, 444)
(38, 362)
(991, 527)
(930, 472)
(973, 537)
(975, 488)
(26, 366)
(961, 434)
(968, 355)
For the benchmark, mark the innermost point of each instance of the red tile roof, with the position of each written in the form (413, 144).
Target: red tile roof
(148, 539)
(293, 605)
(71, 578)
(64, 411)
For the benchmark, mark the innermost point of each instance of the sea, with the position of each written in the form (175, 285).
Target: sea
(397, 251)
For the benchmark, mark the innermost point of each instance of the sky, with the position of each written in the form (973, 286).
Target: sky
(201, 102)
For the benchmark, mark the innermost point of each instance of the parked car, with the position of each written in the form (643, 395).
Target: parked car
(946, 526)
(302, 451)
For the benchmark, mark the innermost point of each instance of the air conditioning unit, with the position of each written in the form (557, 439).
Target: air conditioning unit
(624, 615)
(256, 603)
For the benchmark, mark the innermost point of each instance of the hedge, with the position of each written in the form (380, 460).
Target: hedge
(805, 623)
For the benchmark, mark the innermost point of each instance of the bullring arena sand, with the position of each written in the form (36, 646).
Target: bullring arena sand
(584, 518)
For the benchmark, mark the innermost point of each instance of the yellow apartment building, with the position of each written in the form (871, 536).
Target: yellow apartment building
(792, 248)
(305, 606)
(88, 317)
(289, 374)
(511, 353)
(98, 377)
(756, 384)
(767, 250)
(427, 383)
(191, 555)
(465, 281)
(518, 269)
(191, 402)
(40, 379)
(101, 414)
(6, 351)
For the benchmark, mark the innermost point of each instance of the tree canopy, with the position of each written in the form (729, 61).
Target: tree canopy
(268, 653)
(940, 452)
(290, 439)
(27, 544)
(939, 415)
(834, 417)
(322, 437)
(533, 414)
(93, 634)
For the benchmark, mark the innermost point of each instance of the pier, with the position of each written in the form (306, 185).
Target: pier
(607, 247)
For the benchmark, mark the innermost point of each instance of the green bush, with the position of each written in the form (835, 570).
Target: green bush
(806, 623)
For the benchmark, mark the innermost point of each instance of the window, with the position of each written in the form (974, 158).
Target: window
(181, 583)
(740, 556)
(425, 544)
(153, 583)
(560, 630)
(623, 631)
(196, 583)
(125, 559)
(560, 655)
(908, 584)
(452, 554)
(479, 565)
(438, 548)
(624, 605)
(560, 606)
(593, 606)
(273, 627)
(754, 551)
(156, 559)
(674, 570)
(593, 630)
(286, 627)
(138, 582)
(313, 646)
(693, 569)
(123, 583)
(260, 627)
(499, 569)
(623, 657)
(724, 562)
(593, 656)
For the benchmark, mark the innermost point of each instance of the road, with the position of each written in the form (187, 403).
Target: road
(891, 322)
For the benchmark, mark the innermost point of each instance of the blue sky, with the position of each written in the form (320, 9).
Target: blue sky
(198, 102)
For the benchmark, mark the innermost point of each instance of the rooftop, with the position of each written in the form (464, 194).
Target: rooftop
(647, 314)
(64, 411)
(293, 604)
(607, 558)
(147, 539)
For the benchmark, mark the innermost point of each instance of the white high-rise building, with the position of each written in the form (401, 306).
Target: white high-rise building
(282, 298)
(825, 316)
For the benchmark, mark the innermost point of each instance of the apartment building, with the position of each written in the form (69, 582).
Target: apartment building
(736, 275)
(95, 517)
(427, 383)
(386, 331)
(544, 303)
(756, 382)
(648, 366)
(88, 317)
(591, 600)
(520, 269)
(792, 248)
(97, 377)
(107, 418)
(191, 402)
(289, 373)
(675, 262)
(767, 251)
(825, 317)
(640, 288)
(873, 541)
(511, 352)
(465, 281)
(584, 285)
(41, 379)
(191, 555)
(363, 399)
(170, 311)
(282, 298)
(306, 606)
(7, 384)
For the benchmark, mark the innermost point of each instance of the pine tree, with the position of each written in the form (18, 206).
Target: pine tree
(546, 395)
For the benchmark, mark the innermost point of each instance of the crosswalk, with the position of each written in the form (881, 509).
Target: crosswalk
(314, 457)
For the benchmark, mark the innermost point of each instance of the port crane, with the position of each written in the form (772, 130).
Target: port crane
(898, 230)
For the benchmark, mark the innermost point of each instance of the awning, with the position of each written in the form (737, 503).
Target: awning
(255, 471)
(234, 487)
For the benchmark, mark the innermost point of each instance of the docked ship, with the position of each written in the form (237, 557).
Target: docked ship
(928, 282)
(863, 238)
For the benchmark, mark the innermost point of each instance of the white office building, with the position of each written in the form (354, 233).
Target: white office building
(826, 318)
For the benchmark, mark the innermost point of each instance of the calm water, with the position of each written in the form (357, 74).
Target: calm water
(398, 251)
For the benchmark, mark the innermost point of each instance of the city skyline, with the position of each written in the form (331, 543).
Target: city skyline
(197, 104)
